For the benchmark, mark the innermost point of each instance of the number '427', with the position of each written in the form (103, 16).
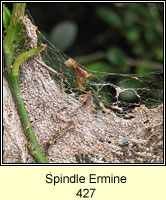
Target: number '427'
(86, 193)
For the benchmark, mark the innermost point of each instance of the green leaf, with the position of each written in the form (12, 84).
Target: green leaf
(116, 56)
(129, 95)
(159, 53)
(144, 69)
(110, 16)
(132, 34)
(152, 36)
(14, 32)
(99, 67)
(64, 34)
(6, 17)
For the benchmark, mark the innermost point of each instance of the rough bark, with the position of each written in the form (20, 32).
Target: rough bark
(102, 137)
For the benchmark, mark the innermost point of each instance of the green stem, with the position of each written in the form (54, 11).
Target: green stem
(12, 39)
(34, 146)
(13, 79)
(14, 33)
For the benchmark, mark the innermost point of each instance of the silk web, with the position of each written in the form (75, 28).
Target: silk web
(116, 92)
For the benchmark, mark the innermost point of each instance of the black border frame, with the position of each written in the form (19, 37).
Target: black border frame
(75, 164)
